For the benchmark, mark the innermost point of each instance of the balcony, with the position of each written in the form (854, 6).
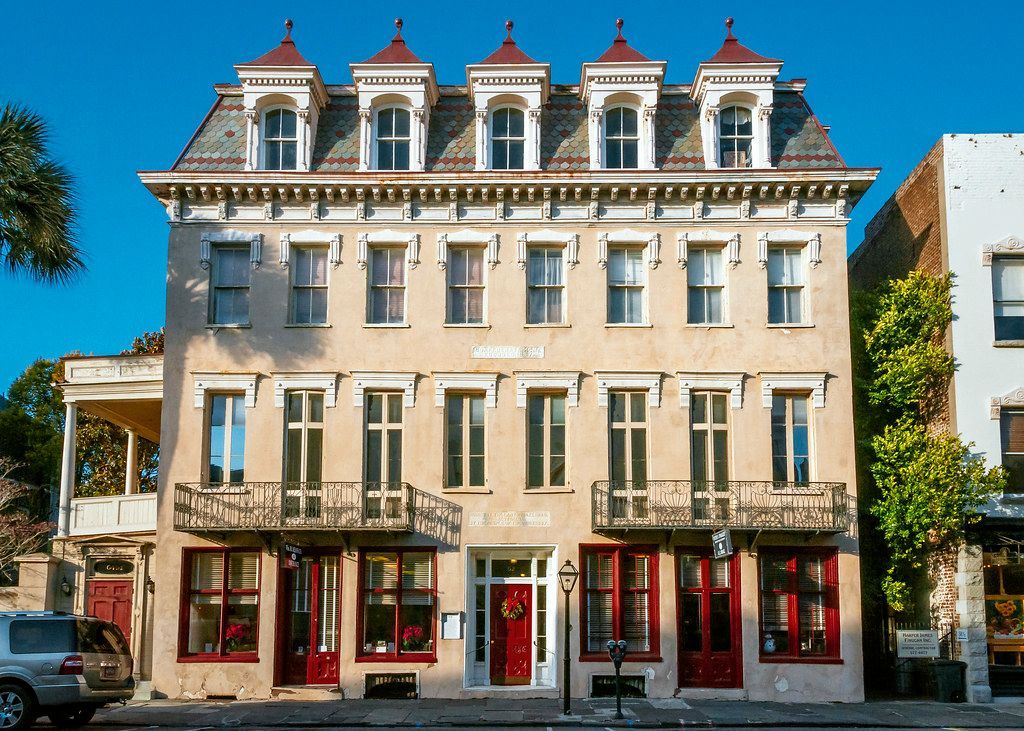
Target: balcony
(686, 505)
(113, 514)
(293, 506)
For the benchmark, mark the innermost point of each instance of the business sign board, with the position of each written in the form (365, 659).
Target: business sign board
(917, 643)
(290, 556)
(721, 542)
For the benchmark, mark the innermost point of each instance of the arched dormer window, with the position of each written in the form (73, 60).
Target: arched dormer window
(735, 137)
(621, 138)
(280, 139)
(508, 138)
(393, 138)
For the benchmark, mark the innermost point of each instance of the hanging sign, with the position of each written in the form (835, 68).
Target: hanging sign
(290, 556)
(721, 542)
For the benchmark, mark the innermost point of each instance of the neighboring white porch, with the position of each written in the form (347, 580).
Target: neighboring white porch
(127, 391)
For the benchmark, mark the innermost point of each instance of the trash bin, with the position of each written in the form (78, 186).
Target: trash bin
(949, 680)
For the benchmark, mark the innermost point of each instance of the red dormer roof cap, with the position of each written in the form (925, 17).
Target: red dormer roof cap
(396, 51)
(508, 51)
(286, 54)
(620, 51)
(732, 51)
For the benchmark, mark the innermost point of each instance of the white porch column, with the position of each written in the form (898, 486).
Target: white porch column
(67, 469)
(131, 467)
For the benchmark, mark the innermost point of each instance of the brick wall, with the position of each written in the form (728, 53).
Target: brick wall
(906, 233)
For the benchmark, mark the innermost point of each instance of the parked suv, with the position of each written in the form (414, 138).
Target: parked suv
(62, 666)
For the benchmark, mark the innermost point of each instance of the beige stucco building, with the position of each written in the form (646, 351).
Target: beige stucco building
(427, 344)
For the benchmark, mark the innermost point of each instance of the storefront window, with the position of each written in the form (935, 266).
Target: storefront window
(222, 614)
(1004, 605)
(399, 589)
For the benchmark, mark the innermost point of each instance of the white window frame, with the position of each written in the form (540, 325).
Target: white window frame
(704, 287)
(371, 287)
(293, 288)
(720, 139)
(639, 138)
(377, 138)
(464, 437)
(486, 383)
(264, 139)
(524, 140)
(212, 320)
(363, 381)
(450, 287)
(230, 397)
(547, 394)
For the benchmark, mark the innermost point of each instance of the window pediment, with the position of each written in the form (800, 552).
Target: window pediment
(296, 381)
(486, 382)
(649, 381)
(731, 382)
(1012, 400)
(811, 382)
(363, 381)
(206, 381)
(569, 381)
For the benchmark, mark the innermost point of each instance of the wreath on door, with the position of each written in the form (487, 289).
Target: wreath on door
(512, 608)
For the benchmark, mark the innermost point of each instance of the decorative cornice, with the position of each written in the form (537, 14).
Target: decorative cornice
(363, 381)
(206, 381)
(731, 382)
(812, 382)
(569, 381)
(1009, 245)
(649, 381)
(1012, 400)
(294, 381)
(486, 382)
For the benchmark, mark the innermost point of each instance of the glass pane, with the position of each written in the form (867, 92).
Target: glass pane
(714, 305)
(613, 154)
(811, 573)
(634, 305)
(1008, 279)
(718, 408)
(699, 458)
(243, 570)
(637, 407)
(288, 155)
(794, 304)
(394, 455)
(720, 622)
(728, 121)
(599, 621)
(401, 156)
(776, 267)
(207, 570)
(374, 439)
(599, 571)
(629, 154)
(692, 639)
(314, 451)
(273, 122)
(401, 122)
(316, 408)
(638, 454)
(618, 407)
(511, 568)
(515, 122)
(721, 457)
(293, 456)
(499, 155)
(375, 408)
(204, 623)
(629, 118)
(385, 155)
(719, 572)
(499, 122)
(689, 572)
(616, 305)
(288, 118)
(536, 307)
(743, 121)
(699, 408)
(636, 622)
(515, 156)
(812, 624)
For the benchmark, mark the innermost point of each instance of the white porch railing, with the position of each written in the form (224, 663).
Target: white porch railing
(113, 514)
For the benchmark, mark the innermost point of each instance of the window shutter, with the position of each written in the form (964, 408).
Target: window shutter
(599, 571)
(689, 572)
(418, 571)
(243, 570)
(1012, 427)
(599, 621)
(207, 570)
(381, 571)
(637, 573)
(811, 573)
(775, 612)
(636, 622)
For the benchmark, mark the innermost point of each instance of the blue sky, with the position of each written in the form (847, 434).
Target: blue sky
(124, 85)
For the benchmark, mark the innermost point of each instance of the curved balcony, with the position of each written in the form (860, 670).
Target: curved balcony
(619, 505)
(292, 506)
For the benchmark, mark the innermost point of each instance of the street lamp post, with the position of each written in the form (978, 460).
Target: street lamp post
(617, 652)
(567, 576)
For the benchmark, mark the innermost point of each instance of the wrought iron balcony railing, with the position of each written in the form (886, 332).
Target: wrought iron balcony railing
(281, 506)
(672, 504)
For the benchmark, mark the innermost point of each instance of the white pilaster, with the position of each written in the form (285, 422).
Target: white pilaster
(67, 468)
(131, 468)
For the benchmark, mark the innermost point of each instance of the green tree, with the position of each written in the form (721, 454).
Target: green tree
(37, 213)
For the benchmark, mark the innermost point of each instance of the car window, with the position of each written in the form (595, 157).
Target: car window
(100, 637)
(29, 636)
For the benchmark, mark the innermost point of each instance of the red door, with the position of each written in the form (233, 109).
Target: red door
(709, 621)
(310, 622)
(112, 601)
(512, 636)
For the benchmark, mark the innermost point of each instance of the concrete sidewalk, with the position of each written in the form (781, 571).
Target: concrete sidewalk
(653, 713)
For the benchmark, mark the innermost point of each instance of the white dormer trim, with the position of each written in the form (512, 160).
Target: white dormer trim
(649, 381)
(378, 85)
(651, 240)
(731, 382)
(207, 240)
(363, 381)
(731, 240)
(811, 240)
(309, 236)
(468, 236)
(523, 86)
(636, 84)
(211, 381)
(548, 236)
(486, 382)
(812, 382)
(298, 381)
(568, 381)
(388, 236)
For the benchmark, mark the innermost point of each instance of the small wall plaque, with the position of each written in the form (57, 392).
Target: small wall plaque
(507, 352)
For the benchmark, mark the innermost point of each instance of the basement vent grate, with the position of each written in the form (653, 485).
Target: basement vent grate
(390, 685)
(603, 686)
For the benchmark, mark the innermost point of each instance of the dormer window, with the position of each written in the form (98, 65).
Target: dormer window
(393, 139)
(280, 139)
(736, 137)
(508, 138)
(621, 138)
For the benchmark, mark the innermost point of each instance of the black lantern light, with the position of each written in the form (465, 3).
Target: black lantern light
(567, 576)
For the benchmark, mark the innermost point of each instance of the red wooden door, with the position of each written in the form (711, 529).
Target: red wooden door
(709, 621)
(511, 639)
(310, 622)
(112, 601)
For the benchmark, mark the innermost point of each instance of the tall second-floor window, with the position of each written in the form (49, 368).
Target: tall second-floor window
(546, 440)
(393, 139)
(621, 138)
(791, 439)
(466, 286)
(464, 439)
(387, 286)
(1012, 431)
(1008, 297)
(709, 454)
(626, 280)
(230, 276)
(546, 286)
(309, 286)
(705, 285)
(303, 454)
(785, 286)
(226, 438)
(735, 137)
(280, 140)
(382, 456)
(508, 138)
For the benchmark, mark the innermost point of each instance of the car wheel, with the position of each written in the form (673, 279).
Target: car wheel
(17, 707)
(72, 717)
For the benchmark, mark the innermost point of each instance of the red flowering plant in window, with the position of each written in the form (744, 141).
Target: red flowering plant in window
(413, 638)
(237, 636)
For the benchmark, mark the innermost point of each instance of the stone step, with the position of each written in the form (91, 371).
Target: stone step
(307, 693)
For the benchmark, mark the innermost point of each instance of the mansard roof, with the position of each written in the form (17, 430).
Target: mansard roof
(798, 140)
(396, 51)
(286, 54)
(620, 51)
(508, 52)
(732, 51)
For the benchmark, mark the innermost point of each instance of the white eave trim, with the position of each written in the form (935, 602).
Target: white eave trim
(204, 381)
(486, 382)
(568, 381)
(294, 381)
